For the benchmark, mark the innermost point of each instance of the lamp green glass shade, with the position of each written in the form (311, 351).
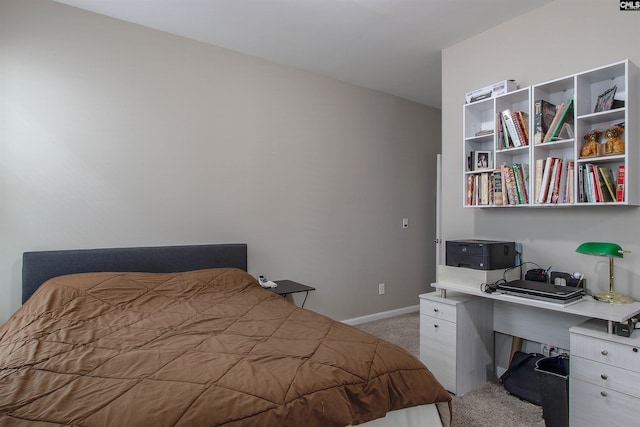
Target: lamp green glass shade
(601, 248)
(610, 250)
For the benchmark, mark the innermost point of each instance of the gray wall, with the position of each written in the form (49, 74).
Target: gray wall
(117, 135)
(559, 39)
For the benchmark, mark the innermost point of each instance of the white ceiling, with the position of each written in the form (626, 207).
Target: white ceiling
(388, 45)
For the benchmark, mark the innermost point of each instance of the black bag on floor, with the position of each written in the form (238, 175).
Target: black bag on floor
(521, 379)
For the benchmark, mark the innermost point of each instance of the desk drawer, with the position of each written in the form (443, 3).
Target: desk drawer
(604, 351)
(438, 310)
(597, 406)
(438, 332)
(438, 349)
(605, 376)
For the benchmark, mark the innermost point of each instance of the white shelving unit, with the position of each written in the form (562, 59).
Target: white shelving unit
(481, 135)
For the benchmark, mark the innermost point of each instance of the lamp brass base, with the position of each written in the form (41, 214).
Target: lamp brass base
(613, 298)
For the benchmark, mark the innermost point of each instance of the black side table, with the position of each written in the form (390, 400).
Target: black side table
(286, 287)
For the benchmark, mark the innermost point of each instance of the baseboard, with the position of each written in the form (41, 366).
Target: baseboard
(382, 315)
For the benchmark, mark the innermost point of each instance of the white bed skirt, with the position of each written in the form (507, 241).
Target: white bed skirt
(416, 416)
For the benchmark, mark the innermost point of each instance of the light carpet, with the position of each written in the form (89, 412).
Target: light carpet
(489, 405)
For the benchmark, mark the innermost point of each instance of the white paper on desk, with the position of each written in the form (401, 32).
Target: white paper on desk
(269, 284)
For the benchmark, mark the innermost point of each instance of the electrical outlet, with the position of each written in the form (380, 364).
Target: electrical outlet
(380, 288)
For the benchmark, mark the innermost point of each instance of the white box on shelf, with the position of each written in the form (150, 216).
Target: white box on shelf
(491, 91)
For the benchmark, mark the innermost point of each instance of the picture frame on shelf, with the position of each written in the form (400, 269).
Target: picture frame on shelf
(482, 160)
(605, 100)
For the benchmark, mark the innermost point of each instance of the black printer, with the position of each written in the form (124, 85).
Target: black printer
(481, 254)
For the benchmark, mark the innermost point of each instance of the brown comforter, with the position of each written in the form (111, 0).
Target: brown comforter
(202, 348)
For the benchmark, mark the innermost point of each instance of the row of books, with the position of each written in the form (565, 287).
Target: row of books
(555, 180)
(552, 122)
(506, 185)
(479, 189)
(513, 183)
(596, 184)
(554, 184)
(512, 129)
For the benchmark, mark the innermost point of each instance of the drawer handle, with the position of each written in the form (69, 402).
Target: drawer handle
(604, 376)
(603, 393)
(436, 310)
(635, 349)
(435, 326)
(604, 352)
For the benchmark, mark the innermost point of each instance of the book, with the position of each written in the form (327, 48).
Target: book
(508, 143)
(521, 174)
(589, 184)
(597, 186)
(497, 188)
(546, 177)
(554, 185)
(516, 177)
(563, 115)
(607, 180)
(556, 117)
(499, 139)
(586, 182)
(505, 193)
(539, 169)
(580, 188)
(507, 117)
(521, 118)
(569, 192)
(510, 184)
(544, 112)
(483, 197)
(469, 190)
(524, 169)
(620, 184)
(559, 190)
(514, 199)
(476, 186)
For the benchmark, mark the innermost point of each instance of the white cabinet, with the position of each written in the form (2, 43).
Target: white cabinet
(604, 383)
(484, 136)
(456, 340)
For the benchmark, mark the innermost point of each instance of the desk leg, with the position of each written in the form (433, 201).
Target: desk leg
(516, 345)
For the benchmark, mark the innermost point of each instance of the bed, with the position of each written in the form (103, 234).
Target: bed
(184, 336)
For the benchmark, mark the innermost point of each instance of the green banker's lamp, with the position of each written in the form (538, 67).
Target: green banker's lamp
(610, 250)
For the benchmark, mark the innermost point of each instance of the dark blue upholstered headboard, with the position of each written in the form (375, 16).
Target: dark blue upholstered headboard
(40, 266)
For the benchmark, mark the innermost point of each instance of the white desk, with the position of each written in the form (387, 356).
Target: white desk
(450, 318)
(585, 308)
